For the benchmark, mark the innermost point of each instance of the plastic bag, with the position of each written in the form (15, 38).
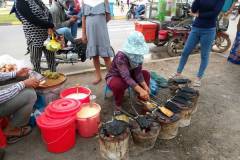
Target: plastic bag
(52, 45)
(6, 59)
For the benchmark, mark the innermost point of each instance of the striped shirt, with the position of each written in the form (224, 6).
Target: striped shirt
(11, 91)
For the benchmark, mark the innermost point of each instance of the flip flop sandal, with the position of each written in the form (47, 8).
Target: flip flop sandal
(24, 131)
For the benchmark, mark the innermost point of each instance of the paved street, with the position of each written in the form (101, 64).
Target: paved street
(13, 42)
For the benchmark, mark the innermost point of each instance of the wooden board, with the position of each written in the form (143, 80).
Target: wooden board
(53, 82)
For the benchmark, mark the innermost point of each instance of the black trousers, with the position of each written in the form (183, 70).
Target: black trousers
(36, 54)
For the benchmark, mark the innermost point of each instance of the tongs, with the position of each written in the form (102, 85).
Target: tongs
(163, 109)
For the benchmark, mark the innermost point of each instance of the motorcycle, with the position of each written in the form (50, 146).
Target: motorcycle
(182, 21)
(132, 11)
(178, 37)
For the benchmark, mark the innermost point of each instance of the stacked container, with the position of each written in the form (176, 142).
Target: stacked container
(58, 125)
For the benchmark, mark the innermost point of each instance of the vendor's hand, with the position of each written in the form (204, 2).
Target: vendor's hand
(147, 89)
(50, 31)
(194, 14)
(22, 72)
(73, 19)
(144, 95)
(31, 83)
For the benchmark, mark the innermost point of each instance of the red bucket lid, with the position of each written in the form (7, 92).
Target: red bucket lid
(62, 108)
(44, 121)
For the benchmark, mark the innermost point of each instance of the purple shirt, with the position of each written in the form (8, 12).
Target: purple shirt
(122, 68)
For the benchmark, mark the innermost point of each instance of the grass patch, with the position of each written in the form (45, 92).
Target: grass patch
(8, 19)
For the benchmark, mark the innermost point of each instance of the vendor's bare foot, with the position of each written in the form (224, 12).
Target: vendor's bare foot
(97, 81)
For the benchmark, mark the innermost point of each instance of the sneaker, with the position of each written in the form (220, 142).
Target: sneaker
(197, 83)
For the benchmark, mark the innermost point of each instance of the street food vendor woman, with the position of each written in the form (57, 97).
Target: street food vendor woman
(126, 70)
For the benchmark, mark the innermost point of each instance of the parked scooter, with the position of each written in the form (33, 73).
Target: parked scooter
(131, 14)
(177, 37)
(180, 22)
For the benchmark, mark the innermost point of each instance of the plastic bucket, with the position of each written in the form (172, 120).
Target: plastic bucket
(88, 126)
(79, 89)
(58, 134)
(3, 140)
(63, 108)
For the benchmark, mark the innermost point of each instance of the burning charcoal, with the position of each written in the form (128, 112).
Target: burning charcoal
(113, 128)
(143, 122)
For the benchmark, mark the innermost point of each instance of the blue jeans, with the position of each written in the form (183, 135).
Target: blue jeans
(206, 37)
(66, 32)
(139, 10)
(74, 28)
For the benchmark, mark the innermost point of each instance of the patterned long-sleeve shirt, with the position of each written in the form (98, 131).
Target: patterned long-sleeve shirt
(122, 68)
(11, 91)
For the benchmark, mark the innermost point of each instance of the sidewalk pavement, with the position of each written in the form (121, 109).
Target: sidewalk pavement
(212, 135)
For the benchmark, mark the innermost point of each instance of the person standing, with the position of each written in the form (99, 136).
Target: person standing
(37, 23)
(96, 14)
(203, 32)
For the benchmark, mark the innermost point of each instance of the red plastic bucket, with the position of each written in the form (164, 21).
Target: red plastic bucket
(58, 134)
(3, 122)
(3, 140)
(75, 90)
(87, 125)
(63, 108)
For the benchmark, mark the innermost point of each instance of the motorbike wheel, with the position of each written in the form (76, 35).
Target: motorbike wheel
(159, 43)
(175, 46)
(222, 43)
(129, 15)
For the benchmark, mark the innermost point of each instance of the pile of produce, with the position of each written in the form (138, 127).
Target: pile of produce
(51, 75)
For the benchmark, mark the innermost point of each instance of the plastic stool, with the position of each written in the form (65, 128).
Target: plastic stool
(107, 89)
